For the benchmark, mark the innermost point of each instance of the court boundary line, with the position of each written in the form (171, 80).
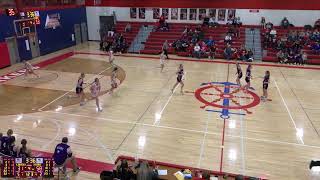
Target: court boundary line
(288, 110)
(183, 129)
(71, 90)
(208, 61)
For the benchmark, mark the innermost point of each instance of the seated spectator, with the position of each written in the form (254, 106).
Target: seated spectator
(228, 39)
(230, 21)
(144, 172)
(127, 29)
(210, 41)
(63, 154)
(206, 21)
(282, 57)
(273, 33)
(236, 22)
(186, 30)
(23, 151)
(212, 22)
(111, 32)
(285, 23)
(197, 51)
(212, 51)
(249, 55)
(315, 47)
(124, 172)
(242, 53)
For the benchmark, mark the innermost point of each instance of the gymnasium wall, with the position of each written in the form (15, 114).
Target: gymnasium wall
(52, 40)
(8, 31)
(248, 17)
(237, 4)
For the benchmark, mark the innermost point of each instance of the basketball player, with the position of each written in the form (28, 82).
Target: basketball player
(248, 77)
(29, 69)
(79, 88)
(111, 57)
(239, 74)
(180, 74)
(266, 81)
(95, 91)
(114, 84)
(162, 58)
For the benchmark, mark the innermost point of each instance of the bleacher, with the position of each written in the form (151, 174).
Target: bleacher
(129, 37)
(271, 55)
(156, 39)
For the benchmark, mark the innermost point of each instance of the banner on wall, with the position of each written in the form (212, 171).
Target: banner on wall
(165, 12)
(213, 13)
(174, 14)
(183, 14)
(133, 13)
(221, 15)
(142, 13)
(52, 21)
(231, 14)
(156, 13)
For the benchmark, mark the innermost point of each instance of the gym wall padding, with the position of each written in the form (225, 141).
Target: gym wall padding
(4, 55)
(52, 40)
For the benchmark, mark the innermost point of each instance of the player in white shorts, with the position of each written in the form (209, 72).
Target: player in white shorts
(114, 84)
(111, 57)
(29, 69)
(95, 92)
(162, 59)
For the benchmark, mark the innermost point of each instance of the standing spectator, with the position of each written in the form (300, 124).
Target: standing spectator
(63, 154)
(273, 33)
(197, 51)
(285, 23)
(263, 22)
(23, 151)
(304, 58)
(165, 48)
(127, 29)
(12, 147)
(228, 52)
(6, 141)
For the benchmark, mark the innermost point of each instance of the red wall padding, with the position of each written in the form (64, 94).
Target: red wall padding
(4, 55)
(230, 4)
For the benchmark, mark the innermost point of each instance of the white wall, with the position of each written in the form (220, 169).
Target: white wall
(296, 17)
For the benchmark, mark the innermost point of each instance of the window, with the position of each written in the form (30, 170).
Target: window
(202, 13)
(174, 13)
(183, 14)
(193, 14)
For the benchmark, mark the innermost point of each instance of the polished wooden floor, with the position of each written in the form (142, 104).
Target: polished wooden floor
(143, 119)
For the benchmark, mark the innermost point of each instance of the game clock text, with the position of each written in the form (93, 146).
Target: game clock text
(27, 167)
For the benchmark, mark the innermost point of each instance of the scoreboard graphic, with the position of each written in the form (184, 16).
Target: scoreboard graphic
(27, 167)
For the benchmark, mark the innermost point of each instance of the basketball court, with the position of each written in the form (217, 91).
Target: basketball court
(214, 125)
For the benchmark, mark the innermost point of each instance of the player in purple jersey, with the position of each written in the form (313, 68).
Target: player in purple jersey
(63, 154)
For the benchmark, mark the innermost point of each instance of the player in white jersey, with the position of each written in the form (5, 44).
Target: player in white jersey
(111, 57)
(95, 92)
(162, 59)
(29, 69)
(114, 84)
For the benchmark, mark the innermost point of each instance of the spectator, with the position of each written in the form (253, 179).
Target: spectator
(285, 23)
(111, 32)
(269, 25)
(23, 151)
(273, 33)
(317, 24)
(165, 48)
(242, 53)
(263, 22)
(212, 51)
(12, 147)
(282, 57)
(212, 22)
(197, 51)
(228, 39)
(316, 48)
(228, 52)
(210, 41)
(206, 21)
(6, 142)
(144, 172)
(304, 58)
(127, 29)
(249, 55)
(124, 172)
(63, 154)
